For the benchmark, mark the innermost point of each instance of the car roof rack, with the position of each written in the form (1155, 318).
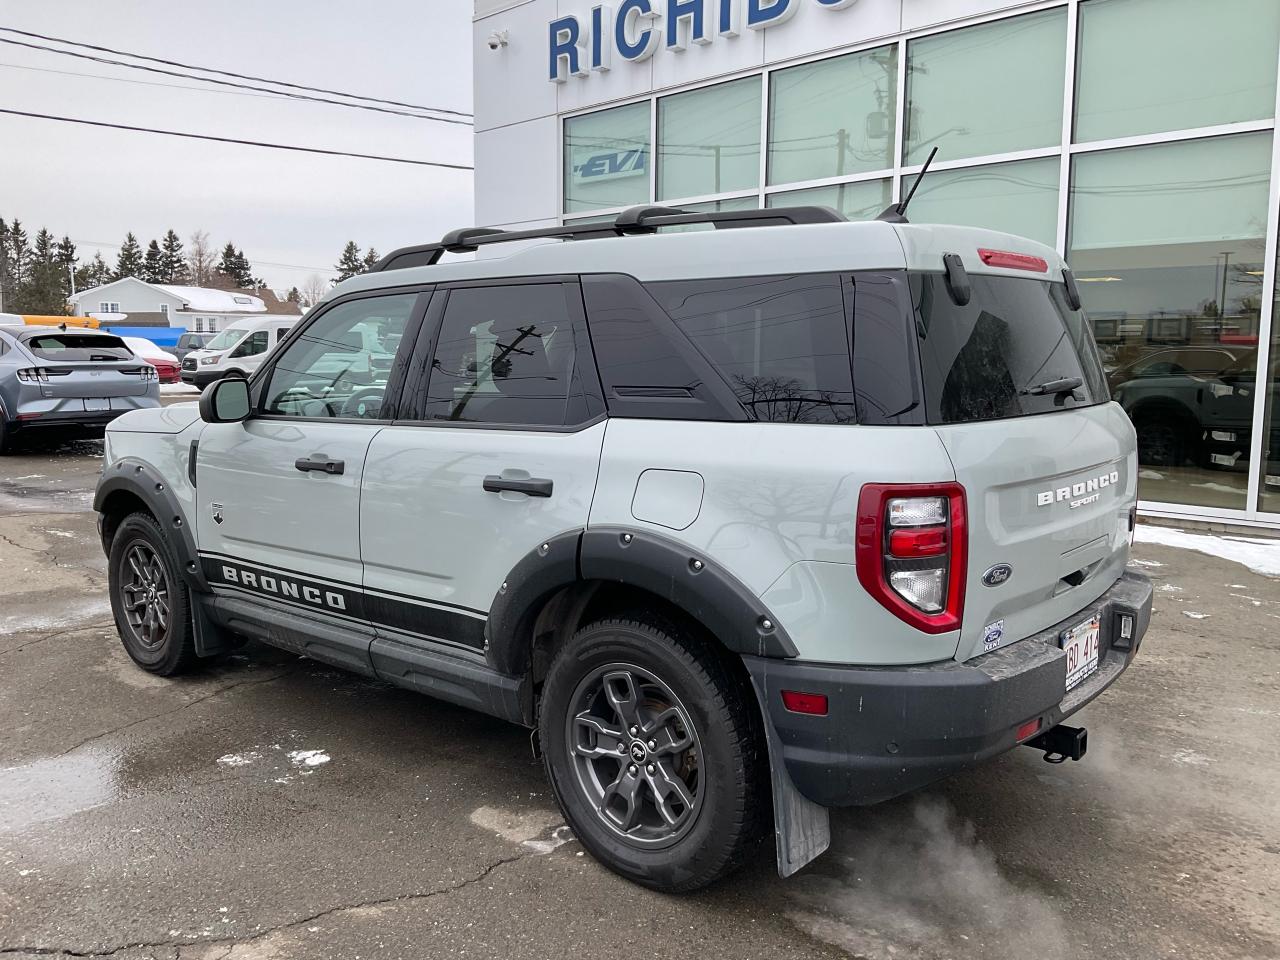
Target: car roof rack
(633, 221)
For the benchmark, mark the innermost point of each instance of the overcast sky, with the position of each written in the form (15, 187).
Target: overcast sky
(291, 213)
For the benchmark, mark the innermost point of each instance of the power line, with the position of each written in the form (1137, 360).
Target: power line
(145, 83)
(244, 143)
(232, 83)
(228, 73)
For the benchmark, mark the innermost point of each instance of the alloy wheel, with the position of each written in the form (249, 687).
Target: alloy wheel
(144, 587)
(636, 755)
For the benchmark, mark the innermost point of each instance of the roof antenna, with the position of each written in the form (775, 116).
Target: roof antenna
(897, 212)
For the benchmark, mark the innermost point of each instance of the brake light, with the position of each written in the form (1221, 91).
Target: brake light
(33, 375)
(911, 551)
(1014, 261)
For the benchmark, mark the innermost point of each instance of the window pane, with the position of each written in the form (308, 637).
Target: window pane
(709, 140)
(1153, 65)
(606, 159)
(1020, 197)
(340, 364)
(1167, 242)
(1269, 497)
(987, 89)
(858, 201)
(834, 117)
(505, 355)
(780, 342)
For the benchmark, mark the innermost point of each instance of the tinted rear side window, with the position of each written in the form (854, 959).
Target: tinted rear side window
(781, 343)
(78, 347)
(983, 361)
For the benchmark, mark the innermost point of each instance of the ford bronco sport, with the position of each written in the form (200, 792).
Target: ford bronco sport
(745, 523)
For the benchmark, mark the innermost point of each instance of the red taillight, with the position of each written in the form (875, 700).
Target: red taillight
(911, 551)
(920, 542)
(1028, 729)
(1014, 261)
(811, 703)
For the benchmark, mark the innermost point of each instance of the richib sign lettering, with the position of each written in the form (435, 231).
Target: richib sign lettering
(636, 28)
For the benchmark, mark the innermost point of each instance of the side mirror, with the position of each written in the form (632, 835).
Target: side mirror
(225, 401)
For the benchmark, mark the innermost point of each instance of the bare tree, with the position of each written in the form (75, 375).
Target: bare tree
(201, 259)
(315, 288)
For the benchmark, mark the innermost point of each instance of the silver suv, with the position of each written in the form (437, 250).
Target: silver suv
(745, 523)
(68, 380)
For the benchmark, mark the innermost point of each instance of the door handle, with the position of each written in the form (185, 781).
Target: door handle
(321, 463)
(534, 486)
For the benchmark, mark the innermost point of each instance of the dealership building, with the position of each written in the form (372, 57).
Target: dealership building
(1135, 136)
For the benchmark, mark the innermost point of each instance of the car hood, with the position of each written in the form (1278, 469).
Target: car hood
(171, 419)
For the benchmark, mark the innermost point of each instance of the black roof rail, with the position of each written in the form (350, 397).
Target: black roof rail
(643, 219)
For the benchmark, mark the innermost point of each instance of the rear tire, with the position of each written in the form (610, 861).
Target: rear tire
(6, 438)
(681, 802)
(149, 598)
(1160, 442)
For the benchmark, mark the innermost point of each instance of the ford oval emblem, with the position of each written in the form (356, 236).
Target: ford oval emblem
(997, 575)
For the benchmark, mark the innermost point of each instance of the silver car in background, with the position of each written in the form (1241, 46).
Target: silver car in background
(71, 380)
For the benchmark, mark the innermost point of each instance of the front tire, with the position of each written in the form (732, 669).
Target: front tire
(653, 746)
(149, 599)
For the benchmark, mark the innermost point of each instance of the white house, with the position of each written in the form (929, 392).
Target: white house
(198, 309)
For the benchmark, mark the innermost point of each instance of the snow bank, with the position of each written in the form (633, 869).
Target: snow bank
(1258, 554)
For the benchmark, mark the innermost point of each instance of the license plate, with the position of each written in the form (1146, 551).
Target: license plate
(1080, 644)
(97, 403)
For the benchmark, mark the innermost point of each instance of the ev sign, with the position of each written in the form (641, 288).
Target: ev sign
(609, 165)
(635, 29)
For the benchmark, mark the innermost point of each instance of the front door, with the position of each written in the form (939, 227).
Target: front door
(279, 494)
(500, 455)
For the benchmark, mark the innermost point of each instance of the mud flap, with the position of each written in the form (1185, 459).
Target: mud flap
(801, 828)
(210, 639)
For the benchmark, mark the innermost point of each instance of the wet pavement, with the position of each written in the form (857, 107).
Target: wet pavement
(271, 807)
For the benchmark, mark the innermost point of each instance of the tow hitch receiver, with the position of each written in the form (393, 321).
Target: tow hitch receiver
(1061, 743)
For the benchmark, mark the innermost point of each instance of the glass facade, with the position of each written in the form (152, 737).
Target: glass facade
(1135, 136)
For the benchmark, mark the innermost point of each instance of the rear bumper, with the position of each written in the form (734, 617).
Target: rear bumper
(891, 730)
(71, 414)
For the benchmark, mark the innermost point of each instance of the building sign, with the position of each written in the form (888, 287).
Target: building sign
(597, 165)
(636, 28)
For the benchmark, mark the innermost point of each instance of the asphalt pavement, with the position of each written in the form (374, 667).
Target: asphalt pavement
(272, 807)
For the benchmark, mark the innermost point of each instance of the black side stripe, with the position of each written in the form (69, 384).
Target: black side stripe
(346, 601)
(482, 614)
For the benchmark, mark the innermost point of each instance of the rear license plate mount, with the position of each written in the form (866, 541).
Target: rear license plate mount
(1081, 645)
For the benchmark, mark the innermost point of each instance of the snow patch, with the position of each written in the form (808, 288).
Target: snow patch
(1260, 555)
(1169, 588)
(1150, 475)
(1190, 757)
(308, 758)
(1219, 487)
(1139, 562)
(239, 759)
(1194, 615)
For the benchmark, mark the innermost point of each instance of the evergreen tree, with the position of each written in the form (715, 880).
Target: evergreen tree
(173, 264)
(370, 260)
(19, 257)
(235, 270)
(97, 273)
(42, 293)
(67, 265)
(294, 296)
(151, 266)
(350, 263)
(6, 291)
(244, 272)
(130, 263)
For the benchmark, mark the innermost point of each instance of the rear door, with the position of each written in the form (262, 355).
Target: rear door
(279, 494)
(498, 455)
(1014, 388)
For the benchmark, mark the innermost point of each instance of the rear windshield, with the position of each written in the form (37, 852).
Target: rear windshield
(1011, 351)
(78, 347)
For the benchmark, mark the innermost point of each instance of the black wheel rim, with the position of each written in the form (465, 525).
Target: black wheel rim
(144, 591)
(636, 755)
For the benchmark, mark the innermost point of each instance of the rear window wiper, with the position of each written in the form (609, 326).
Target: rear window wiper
(1055, 387)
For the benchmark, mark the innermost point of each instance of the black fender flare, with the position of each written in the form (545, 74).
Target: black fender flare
(144, 481)
(640, 558)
